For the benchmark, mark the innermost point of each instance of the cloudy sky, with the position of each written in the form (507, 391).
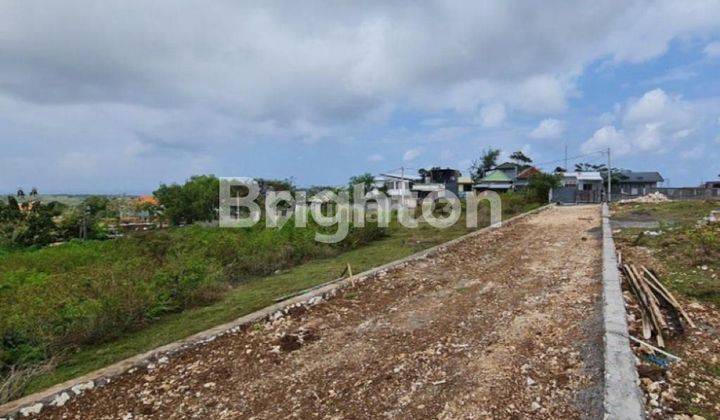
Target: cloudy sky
(115, 97)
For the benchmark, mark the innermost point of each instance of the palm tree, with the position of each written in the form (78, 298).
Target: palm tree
(520, 158)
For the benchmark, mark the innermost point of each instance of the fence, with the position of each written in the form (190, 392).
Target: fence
(571, 195)
(688, 193)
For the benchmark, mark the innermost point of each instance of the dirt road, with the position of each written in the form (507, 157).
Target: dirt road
(504, 325)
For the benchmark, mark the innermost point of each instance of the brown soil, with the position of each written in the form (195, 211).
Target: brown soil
(504, 325)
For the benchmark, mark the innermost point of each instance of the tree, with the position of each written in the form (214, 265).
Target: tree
(37, 228)
(96, 205)
(366, 179)
(423, 173)
(589, 167)
(287, 184)
(540, 185)
(11, 212)
(487, 161)
(120, 207)
(520, 158)
(616, 173)
(76, 223)
(559, 169)
(196, 200)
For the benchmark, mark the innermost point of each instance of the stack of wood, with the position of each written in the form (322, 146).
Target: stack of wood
(652, 296)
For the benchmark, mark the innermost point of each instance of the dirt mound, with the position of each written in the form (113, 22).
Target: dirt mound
(656, 197)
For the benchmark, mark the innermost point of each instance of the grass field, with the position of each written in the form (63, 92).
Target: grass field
(673, 239)
(104, 317)
(58, 300)
(689, 252)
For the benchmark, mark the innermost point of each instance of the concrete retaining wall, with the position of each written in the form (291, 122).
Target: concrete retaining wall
(623, 399)
(59, 394)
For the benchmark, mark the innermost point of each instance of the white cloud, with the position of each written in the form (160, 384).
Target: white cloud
(541, 94)
(695, 152)
(270, 72)
(353, 60)
(376, 158)
(411, 154)
(654, 123)
(712, 50)
(607, 136)
(549, 128)
(648, 137)
(492, 115)
(657, 106)
(606, 118)
(684, 133)
(650, 106)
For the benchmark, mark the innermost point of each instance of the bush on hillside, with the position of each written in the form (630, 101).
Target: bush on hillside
(58, 298)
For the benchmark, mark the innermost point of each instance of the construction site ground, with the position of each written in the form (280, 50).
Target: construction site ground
(652, 235)
(506, 324)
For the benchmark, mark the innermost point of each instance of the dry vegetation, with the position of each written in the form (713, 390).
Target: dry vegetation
(685, 251)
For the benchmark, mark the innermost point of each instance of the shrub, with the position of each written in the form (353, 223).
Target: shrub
(196, 200)
(55, 299)
(705, 244)
(540, 184)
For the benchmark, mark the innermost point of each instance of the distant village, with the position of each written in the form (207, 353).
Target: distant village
(580, 186)
(110, 216)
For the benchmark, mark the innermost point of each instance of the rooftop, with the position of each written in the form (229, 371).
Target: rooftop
(630, 176)
(583, 176)
(527, 173)
(495, 176)
(511, 165)
(465, 180)
(395, 176)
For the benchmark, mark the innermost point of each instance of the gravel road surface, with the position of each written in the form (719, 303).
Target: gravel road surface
(503, 325)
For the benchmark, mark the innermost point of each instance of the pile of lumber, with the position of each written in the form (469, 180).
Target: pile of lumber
(652, 298)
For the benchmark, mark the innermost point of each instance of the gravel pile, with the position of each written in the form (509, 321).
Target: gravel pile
(656, 197)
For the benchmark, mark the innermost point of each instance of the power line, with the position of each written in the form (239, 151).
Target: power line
(570, 158)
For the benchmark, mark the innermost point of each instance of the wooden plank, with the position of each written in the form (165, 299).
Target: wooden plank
(653, 348)
(647, 328)
(652, 300)
(674, 302)
(647, 303)
(633, 287)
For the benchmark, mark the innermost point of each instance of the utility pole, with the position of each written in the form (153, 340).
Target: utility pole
(609, 175)
(566, 167)
(402, 187)
(84, 226)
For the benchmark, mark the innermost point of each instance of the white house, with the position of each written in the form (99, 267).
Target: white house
(399, 189)
(589, 185)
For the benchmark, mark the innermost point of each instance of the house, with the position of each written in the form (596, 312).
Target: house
(147, 200)
(511, 169)
(398, 188)
(712, 184)
(578, 187)
(437, 180)
(465, 186)
(635, 183)
(523, 178)
(495, 180)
